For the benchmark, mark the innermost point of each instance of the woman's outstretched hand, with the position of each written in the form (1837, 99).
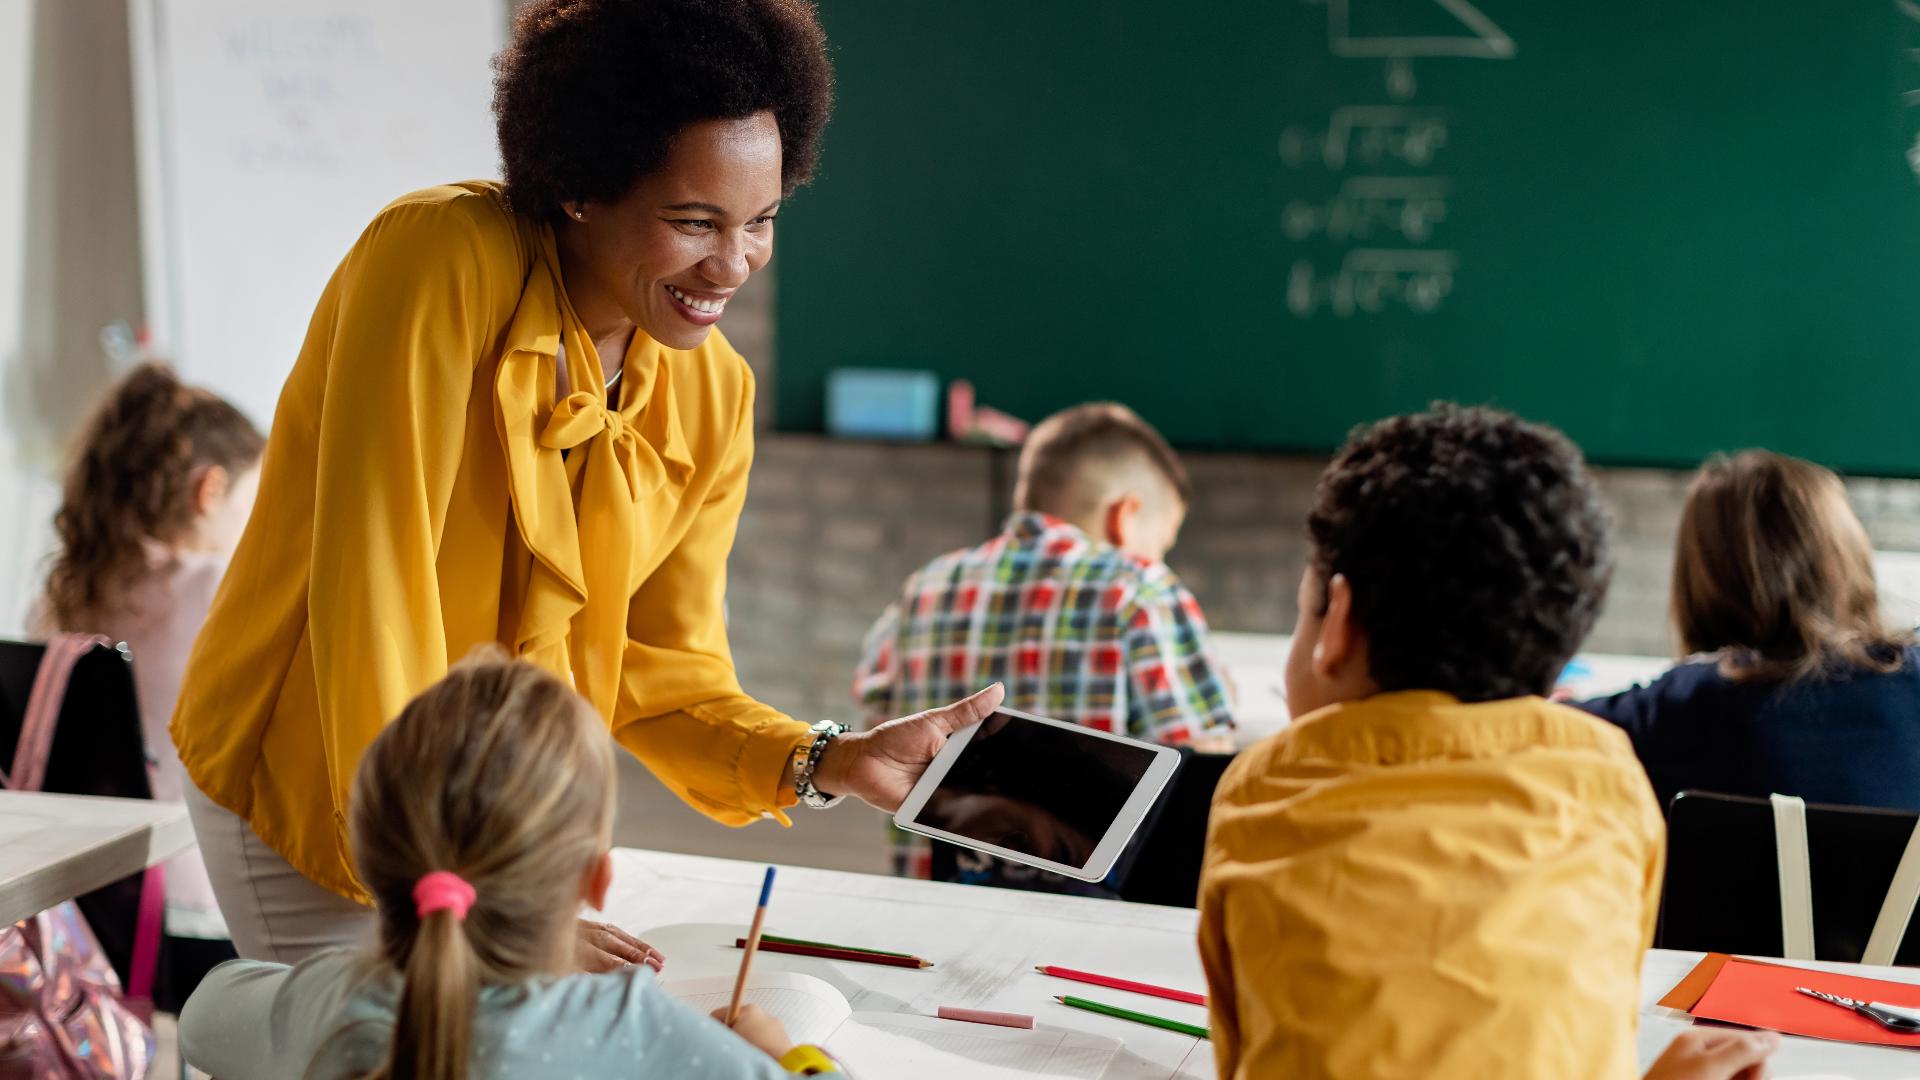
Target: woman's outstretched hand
(880, 766)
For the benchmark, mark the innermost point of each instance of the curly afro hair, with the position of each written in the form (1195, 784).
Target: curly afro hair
(590, 93)
(1476, 547)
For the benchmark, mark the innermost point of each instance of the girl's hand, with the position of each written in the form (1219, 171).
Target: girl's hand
(758, 1026)
(601, 947)
(882, 765)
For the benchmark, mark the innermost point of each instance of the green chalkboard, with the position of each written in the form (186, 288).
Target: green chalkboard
(1668, 226)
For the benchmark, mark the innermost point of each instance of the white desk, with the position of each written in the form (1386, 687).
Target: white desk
(1257, 666)
(55, 847)
(985, 943)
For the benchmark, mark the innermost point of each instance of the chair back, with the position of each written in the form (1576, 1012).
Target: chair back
(1724, 880)
(97, 748)
(1166, 868)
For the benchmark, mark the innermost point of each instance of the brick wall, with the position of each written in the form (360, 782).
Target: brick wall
(831, 531)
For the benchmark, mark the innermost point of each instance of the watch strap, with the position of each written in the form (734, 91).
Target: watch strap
(824, 732)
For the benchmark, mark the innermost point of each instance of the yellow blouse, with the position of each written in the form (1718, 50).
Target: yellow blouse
(1408, 886)
(415, 502)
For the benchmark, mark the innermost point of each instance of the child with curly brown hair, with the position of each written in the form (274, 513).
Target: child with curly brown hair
(1436, 872)
(160, 487)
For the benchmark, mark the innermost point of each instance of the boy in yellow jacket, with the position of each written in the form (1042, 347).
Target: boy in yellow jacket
(1435, 872)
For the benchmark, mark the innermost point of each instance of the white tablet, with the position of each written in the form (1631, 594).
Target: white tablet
(1041, 792)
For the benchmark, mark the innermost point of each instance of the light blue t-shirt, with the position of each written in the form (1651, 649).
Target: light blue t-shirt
(331, 1016)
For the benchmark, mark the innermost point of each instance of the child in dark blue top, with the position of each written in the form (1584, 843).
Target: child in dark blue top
(1795, 685)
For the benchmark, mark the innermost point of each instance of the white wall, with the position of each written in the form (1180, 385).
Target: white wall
(69, 252)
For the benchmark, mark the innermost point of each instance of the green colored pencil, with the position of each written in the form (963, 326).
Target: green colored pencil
(830, 945)
(1194, 1030)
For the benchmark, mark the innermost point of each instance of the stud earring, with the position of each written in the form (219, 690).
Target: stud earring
(579, 215)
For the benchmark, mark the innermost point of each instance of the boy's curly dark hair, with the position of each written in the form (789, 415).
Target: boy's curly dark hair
(1476, 547)
(590, 93)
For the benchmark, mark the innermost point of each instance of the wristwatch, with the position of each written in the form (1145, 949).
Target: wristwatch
(806, 758)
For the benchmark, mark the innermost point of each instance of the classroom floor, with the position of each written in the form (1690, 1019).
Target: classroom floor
(851, 836)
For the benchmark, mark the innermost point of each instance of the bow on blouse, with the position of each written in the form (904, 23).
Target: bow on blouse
(581, 415)
(580, 519)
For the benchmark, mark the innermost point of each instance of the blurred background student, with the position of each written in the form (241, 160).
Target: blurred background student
(161, 483)
(1794, 683)
(1071, 605)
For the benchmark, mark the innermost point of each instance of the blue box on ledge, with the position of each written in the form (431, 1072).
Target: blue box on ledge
(875, 403)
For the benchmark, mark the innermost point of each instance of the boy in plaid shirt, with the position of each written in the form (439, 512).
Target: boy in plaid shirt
(1071, 607)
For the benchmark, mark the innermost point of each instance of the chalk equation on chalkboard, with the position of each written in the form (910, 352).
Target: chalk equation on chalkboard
(1475, 35)
(1407, 205)
(1372, 280)
(1392, 30)
(1370, 135)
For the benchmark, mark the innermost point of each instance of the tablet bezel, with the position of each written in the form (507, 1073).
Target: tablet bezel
(1120, 832)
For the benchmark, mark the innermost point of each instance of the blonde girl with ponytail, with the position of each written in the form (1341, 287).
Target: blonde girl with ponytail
(481, 820)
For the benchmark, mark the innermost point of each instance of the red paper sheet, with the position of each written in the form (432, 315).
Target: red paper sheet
(1764, 996)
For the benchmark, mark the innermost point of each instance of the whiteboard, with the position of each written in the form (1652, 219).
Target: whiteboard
(270, 132)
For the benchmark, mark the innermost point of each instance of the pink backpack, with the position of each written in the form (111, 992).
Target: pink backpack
(62, 1015)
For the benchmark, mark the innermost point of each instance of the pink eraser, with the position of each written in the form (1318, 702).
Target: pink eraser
(978, 1016)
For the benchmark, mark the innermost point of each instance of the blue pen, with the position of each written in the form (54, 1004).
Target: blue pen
(753, 942)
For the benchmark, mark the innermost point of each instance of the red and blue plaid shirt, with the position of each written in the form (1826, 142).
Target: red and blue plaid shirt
(1077, 629)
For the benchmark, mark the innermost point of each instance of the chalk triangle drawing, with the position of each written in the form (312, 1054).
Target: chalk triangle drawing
(1469, 32)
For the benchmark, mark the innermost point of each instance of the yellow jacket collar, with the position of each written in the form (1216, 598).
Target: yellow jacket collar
(1410, 726)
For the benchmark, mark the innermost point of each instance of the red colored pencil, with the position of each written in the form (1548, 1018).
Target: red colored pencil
(1187, 996)
(837, 954)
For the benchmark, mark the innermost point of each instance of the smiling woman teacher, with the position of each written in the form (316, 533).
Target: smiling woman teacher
(512, 421)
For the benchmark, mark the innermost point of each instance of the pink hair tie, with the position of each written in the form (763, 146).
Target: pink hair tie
(443, 890)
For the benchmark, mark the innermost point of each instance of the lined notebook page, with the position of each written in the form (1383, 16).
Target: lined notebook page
(811, 1009)
(901, 1044)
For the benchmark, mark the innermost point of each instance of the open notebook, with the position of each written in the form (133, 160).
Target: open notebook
(875, 1045)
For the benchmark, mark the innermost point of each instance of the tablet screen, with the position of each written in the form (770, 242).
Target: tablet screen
(1041, 790)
